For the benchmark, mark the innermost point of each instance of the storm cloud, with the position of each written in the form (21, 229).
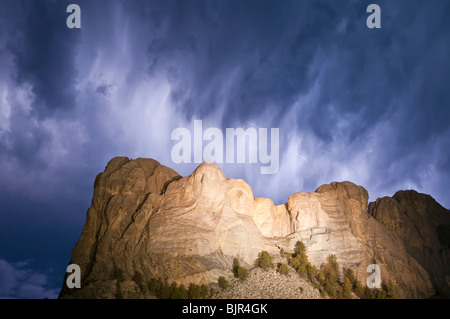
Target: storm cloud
(18, 281)
(366, 105)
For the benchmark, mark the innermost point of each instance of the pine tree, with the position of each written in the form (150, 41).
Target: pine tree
(295, 263)
(204, 291)
(159, 288)
(119, 294)
(381, 294)
(239, 271)
(264, 260)
(332, 262)
(348, 273)
(346, 288)
(311, 270)
(328, 277)
(243, 273)
(184, 294)
(165, 290)
(391, 290)
(283, 269)
(174, 291)
(299, 248)
(223, 282)
(368, 293)
(236, 266)
(194, 291)
(359, 289)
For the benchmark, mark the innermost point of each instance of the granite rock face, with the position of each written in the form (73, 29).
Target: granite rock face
(146, 218)
(417, 218)
(334, 220)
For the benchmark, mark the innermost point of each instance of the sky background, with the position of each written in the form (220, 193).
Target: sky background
(367, 105)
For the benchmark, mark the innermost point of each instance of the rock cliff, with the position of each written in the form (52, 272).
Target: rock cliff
(417, 220)
(145, 217)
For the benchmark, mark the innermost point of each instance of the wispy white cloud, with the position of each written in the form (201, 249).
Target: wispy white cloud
(342, 107)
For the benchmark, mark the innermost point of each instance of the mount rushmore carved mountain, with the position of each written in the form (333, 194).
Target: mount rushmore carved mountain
(146, 218)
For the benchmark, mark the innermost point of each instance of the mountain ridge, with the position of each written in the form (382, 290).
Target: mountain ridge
(145, 217)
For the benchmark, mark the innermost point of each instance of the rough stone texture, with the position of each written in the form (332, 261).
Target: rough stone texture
(414, 217)
(207, 216)
(333, 220)
(271, 220)
(145, 217)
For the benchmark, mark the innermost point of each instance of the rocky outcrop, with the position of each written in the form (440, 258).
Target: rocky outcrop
(146, 218)
(416, 219)
(334, 220)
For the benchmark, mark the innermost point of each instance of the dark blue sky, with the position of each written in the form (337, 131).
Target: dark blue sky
(367, 105)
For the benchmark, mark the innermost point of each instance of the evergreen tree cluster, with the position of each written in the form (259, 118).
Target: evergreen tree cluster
(328, 279)
(330, 282)
(162, 289)
(299, 261)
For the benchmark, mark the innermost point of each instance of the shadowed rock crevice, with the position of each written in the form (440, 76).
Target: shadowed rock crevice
(166, 184)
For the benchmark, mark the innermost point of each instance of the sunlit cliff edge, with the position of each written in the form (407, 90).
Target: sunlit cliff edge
(146, 218)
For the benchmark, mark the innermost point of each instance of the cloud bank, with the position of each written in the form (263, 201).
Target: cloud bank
(351, 103)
